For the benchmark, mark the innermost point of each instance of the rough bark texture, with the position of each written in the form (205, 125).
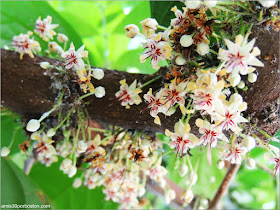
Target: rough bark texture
(26, 90)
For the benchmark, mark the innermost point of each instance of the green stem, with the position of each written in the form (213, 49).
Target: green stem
(220, 67)
(14, 137)
(62, 122)
(214, 52)
(161, 27)
(84, 96)
(190, 163)
(97, 129)
(149, 82)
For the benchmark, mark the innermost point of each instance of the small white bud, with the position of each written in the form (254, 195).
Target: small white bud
(99, 92)
(65, 165)
(220, 164)
(6, 47)
(77, 183)
(180, 60)
(72, 171)
(210, 3)
(192, 4)
(234, 79)
(241, 84)
(192, 179)
(132, 30)
(81, 147)
(98, 73)
(187, 196)
(33, 125)
(183, 170)
(203, 48)
(45, 65)
(186, 40)
(267, 3)
(252, 77)
(5, 151)
(169, 195)
(150, 23)
(141, 192)
(249, 142)
(51, 132)
(62, 38)
(250, 163)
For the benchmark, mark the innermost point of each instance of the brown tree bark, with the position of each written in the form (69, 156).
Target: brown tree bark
(26, 90)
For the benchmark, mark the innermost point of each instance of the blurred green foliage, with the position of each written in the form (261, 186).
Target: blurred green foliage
(100, 26)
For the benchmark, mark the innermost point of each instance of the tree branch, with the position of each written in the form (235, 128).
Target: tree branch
(232, 171)
(26, 90)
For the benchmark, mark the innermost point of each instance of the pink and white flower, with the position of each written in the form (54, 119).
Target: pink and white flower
(155, 103)
(235, 153)
(44, 28)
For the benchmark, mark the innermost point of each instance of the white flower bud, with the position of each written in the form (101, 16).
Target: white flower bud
(98, 73)
(210, 3)
(99, 92)
(45, 65)
(187, 196)
(6, 47)
(241, 84)
(62, 38)
(150, 23)
(5, 151)
(220, 164)
(72, 171)
(132, 30)
(234, 79)
(33, 125)
(249, 142)
(183, 170)
(192, 4)
(51, 132)
(250, 163)
(169, 195)
(252, 77)
(180, 60)
(162, 183)
(267, 3)
(65, 165)
(77, 183)
(81, 147)
(186, 40)
(141, 192)
(192, 178)
(203, 48)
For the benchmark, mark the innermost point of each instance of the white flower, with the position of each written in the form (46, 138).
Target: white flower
(62, 38)
(210, 3)
(23, 44)
(169, 195)
(235, 153)
(55, 48)
(33, 125)
(45, 65)
(99, 92)
(240, 56)
(250, 163)
(252, 77)
(187, 196)
(203, 48)
(192, 4)
(81, 147)
(5, 151)
(45, 29)
(74, 58)
(149, 25)
(98, 73)
(267, 3)
(132, 30)
(65, 165)
(234, 79)
(77, 183)
(186, 40)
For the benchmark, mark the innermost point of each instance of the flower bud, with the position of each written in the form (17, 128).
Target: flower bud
(250, 163)
(150, 23)
(65, 165)
(241, 84)
(99, 92)
(187, 196)
(267, 3)
(186, 40)
(249, 142)
(183, 170)
(98, 73)
(180, 60)
(62, 38)
(234, 79)
(5, 151)
(145, 143)
(132, 30)
(77, 183)
(81, 147)
(72, 171)
(192, 4)
(252, 77)
(51, 132)
(45, 65)
(192, 179)
(33, 125)
(220, 164)
(169, 195)
(210, 3)
(203, 48)
(142, 191)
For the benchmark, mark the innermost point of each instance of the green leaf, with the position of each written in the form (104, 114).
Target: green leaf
(160, 10)
(17, 188)
(20, 17)
(59, 188)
